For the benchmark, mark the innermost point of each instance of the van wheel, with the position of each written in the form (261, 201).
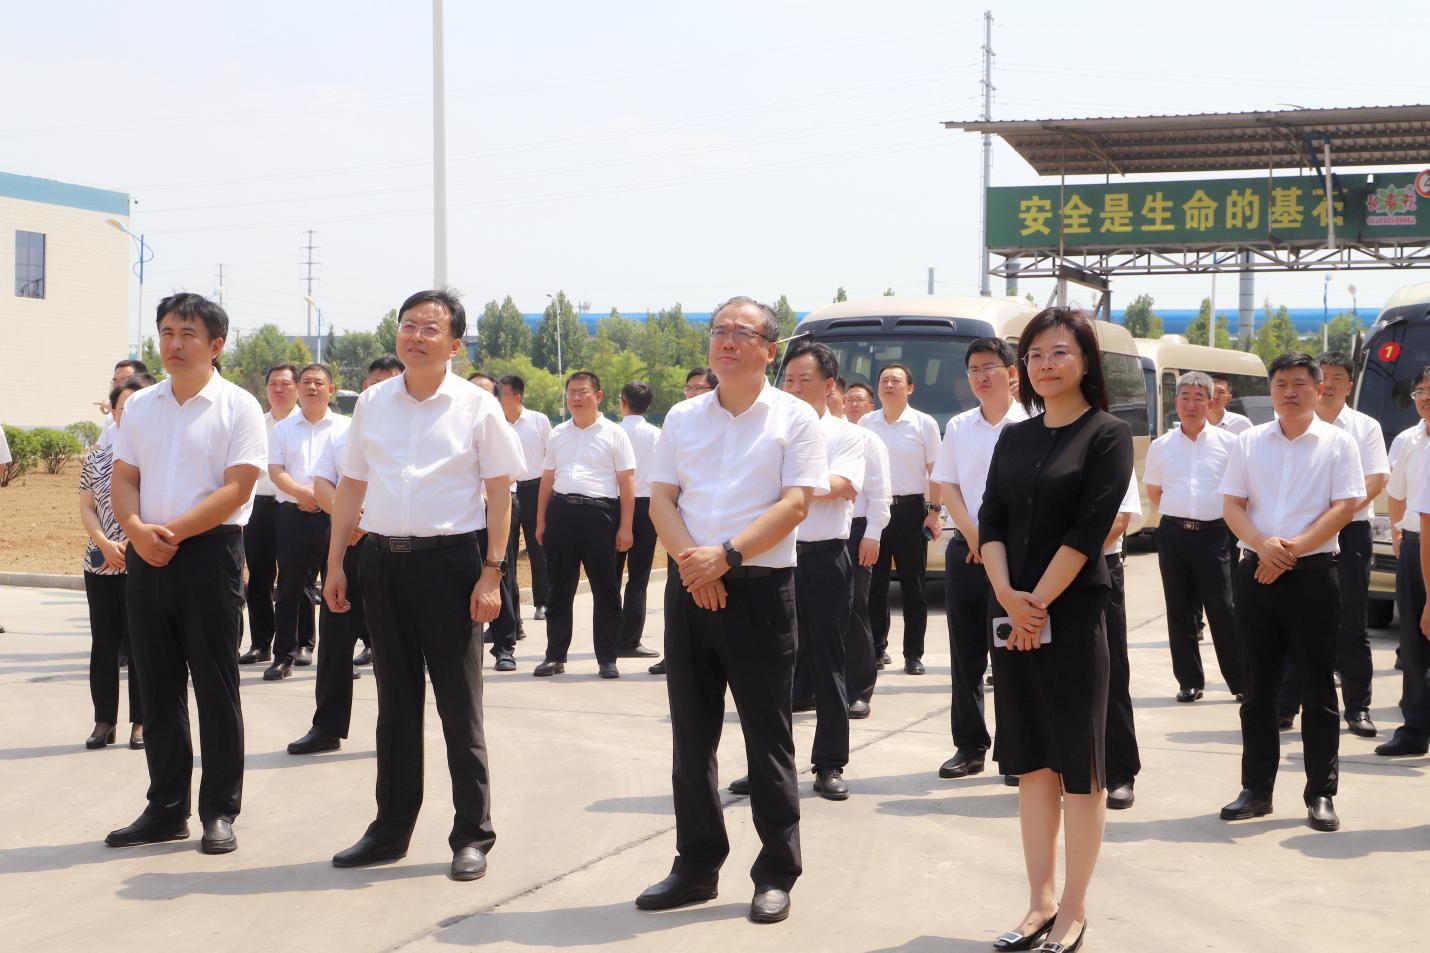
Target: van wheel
(1378, 613)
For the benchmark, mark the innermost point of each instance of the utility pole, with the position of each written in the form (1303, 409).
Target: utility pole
(439, 150)
(987, 147)
(310, 248)
(930, 279)
(220, 284)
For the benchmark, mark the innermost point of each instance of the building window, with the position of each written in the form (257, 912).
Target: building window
(29, 264)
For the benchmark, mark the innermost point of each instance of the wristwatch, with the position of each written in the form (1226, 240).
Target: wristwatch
(931, 507)
(733, 559)
(498, 564)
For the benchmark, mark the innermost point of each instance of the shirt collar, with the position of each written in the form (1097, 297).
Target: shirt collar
(765, 398)
(1318, 429)
(209, 392)
(1015, 413)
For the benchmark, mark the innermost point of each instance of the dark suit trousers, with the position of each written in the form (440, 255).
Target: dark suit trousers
(418, 610)
(1414, 649)
(903, 542)
(750, 647)
(260, 552)
(582, 536)
(1123, 761)
(861, 665)
(966, 595)
(1196, 571)
(637, 561)
(339, 631)
(108, 630)
(527, 492)
(184, 623)
(503, 628)
(822, 603)
(302, 547)
(1294, 616)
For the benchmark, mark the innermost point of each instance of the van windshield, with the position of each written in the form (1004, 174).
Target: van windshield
(1389, 375)
(940, 384)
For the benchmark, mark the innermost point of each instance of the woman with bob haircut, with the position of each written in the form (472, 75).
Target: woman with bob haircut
(1054, 487)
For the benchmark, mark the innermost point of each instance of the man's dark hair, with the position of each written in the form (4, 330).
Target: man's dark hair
(482, 376)
(583, 376)
(513, 383)
(840, 385)
(137, 367)
(187, 307)
(448, 299)
(637, 395)
(315, 366)
(908, 374)
(1337, 359)
(1423, 377)
(998, 347)
(1079, 322)
(1292, 360)
(290, 368)
(705, 372)
(136, 381)
(860, 385)
(824, 360)
(387, 363)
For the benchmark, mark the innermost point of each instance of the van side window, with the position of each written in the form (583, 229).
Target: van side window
(1169, 400)
(1126, 391)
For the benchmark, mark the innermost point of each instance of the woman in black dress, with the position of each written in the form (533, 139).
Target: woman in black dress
(1054, 486)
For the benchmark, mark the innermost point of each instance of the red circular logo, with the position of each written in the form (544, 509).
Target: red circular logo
(1388, 352)
(1422, 184)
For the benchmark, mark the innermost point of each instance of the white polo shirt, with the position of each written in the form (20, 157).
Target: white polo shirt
(533, 428)
(1235, 423)
(643, 436)
(423, 461)
(181, 451)
(586, 460)
(844, 451)
(1407, 474)
(1131, 504)
(912, 441)
(1288, 484)
(729, 470)
(872, 505)
(264, 486)
(297, 445)
(1370, 442)
(966, 451)
(1189, 471)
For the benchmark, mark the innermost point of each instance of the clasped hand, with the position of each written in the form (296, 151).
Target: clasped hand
(1276, 556)
(1029, 614)
(700, 570)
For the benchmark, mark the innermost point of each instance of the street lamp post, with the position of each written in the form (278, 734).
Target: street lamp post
(146, 253)
(318, 308)
(556, 310)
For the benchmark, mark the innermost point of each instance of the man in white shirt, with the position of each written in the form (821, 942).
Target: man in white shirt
(1289, 487)
(1219, 413)
(732, 478)
(185, 462)
(871, 515)
(961, 469)
(1124, 762)
(1409, 502)
(260, 536)
(123, 370)
(636, 398)
(418, 447)
(912, 439)
(1183, 474)
(583, 518)
(533, 428)
(294, 449)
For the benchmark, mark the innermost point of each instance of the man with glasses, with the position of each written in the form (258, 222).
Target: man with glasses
(417, 448)
(732, 478)
(122, 372)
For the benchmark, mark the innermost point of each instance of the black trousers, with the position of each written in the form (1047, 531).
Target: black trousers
(1294, 616)
(822, 603)
(302, 548)
(339, 636)
(1414, 649)
(582, 536)
(861, 665)
(750, 647)
(527, 492)
(903, 542)
(184, 624)
(503, 628)
(636, 561)
(418, 611)
(108, 630)
(1196, 571)
(966, 596)
(1123, 761)
(260, 552)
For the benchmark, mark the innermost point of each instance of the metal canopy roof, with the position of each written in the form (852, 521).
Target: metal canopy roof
(1207, 142)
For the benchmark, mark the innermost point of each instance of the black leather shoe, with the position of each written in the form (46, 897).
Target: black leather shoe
(1048, 946)
(96, 741)
(658, 668)
(279, 670)
(1240, 697)
(1010, 780)
(1189, 695)
(740, 786)
(505, 663)
(1361, 725)
(1013, 940)
(1248, 804)
(356, 674)
(520, 633)
(858, 708)
(962, 764)
(802, 705)
(609, 670)
(218, 837)
(304, 656)
(639, 651)
(148, 830)
(255, 655)
(469, 863)
(540, 614)
(313, 742)
(913, 666)
(829, 784)
(364, 657)
(677, 890)
(136, 741)
(368, 851)
(549, 668)
(1402, 743)
(1286, 722)
(770, 905)
(1120, 796)
(884, 659)
(1321, 815)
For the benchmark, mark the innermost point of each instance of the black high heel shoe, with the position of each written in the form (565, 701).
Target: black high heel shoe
(136, 742)
(1051, 947)
(1012, 940)
(100, 741)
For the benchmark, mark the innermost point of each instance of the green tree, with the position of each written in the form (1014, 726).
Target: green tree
(543, 388)
(349, 356)
(86, 430)
(248, 360)
(1277, 334)
(24, 454)
(502, 331)
(1196, 331)
(1140, 320)
(785, 313)
(55, 448)
(840, 295)
(149, 354)
(1342, 330)
(574, 339)
(298, 354)
(387, 333)
(888, 292)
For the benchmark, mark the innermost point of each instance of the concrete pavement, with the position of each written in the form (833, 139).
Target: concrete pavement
(581, 803)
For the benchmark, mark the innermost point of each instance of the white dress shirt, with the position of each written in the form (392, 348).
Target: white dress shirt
(1370, 441)
(297, 445)
(1132, 505)
(1407, 474)
(1189, 472)
(966, 451)
(264, 486)
(533, 428)
(587, 459)
(729, 470)
(106, 433)
(423, 461)
(643, 436)
(329, 465)
(1235, 423)
(844, 450)
(912, 441)
(872, 505)
(1288, 484)
(181, 450)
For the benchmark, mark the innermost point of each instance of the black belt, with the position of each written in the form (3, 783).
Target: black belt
(301, 510)
(576, 499)
(222, 529)
(412, 544)
(1194, 525)
(1409, 534)
(817, 546)
(749, 572)
(264, 498)
(956, 534)
(908, 498)
(528, 482)
(1113, 559)
(1313, 561)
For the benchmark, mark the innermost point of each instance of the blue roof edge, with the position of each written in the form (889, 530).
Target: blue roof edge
(50, 192)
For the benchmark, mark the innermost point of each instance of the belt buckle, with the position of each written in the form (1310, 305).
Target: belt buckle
(399, 544)
(1189, 525)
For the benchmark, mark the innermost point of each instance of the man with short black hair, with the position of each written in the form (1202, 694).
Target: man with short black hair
(636, 397)
(533, 429)
(870, 516)
(123, 370)
(381, 369)
(1219, 413)
(699, 380)
(486, 381)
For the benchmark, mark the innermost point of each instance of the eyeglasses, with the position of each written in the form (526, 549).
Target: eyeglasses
(736, 333)
(579, 394)
(985, 370)
(1420, 394)
(428, 332)
(1057, 357)
(696, 389)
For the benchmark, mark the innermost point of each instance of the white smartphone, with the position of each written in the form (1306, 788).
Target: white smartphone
(1003, 627)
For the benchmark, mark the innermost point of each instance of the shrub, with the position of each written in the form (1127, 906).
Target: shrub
(56, 448)
(86, 430)
(23, 452)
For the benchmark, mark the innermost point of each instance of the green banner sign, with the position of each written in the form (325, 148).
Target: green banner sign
(1368, 209)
